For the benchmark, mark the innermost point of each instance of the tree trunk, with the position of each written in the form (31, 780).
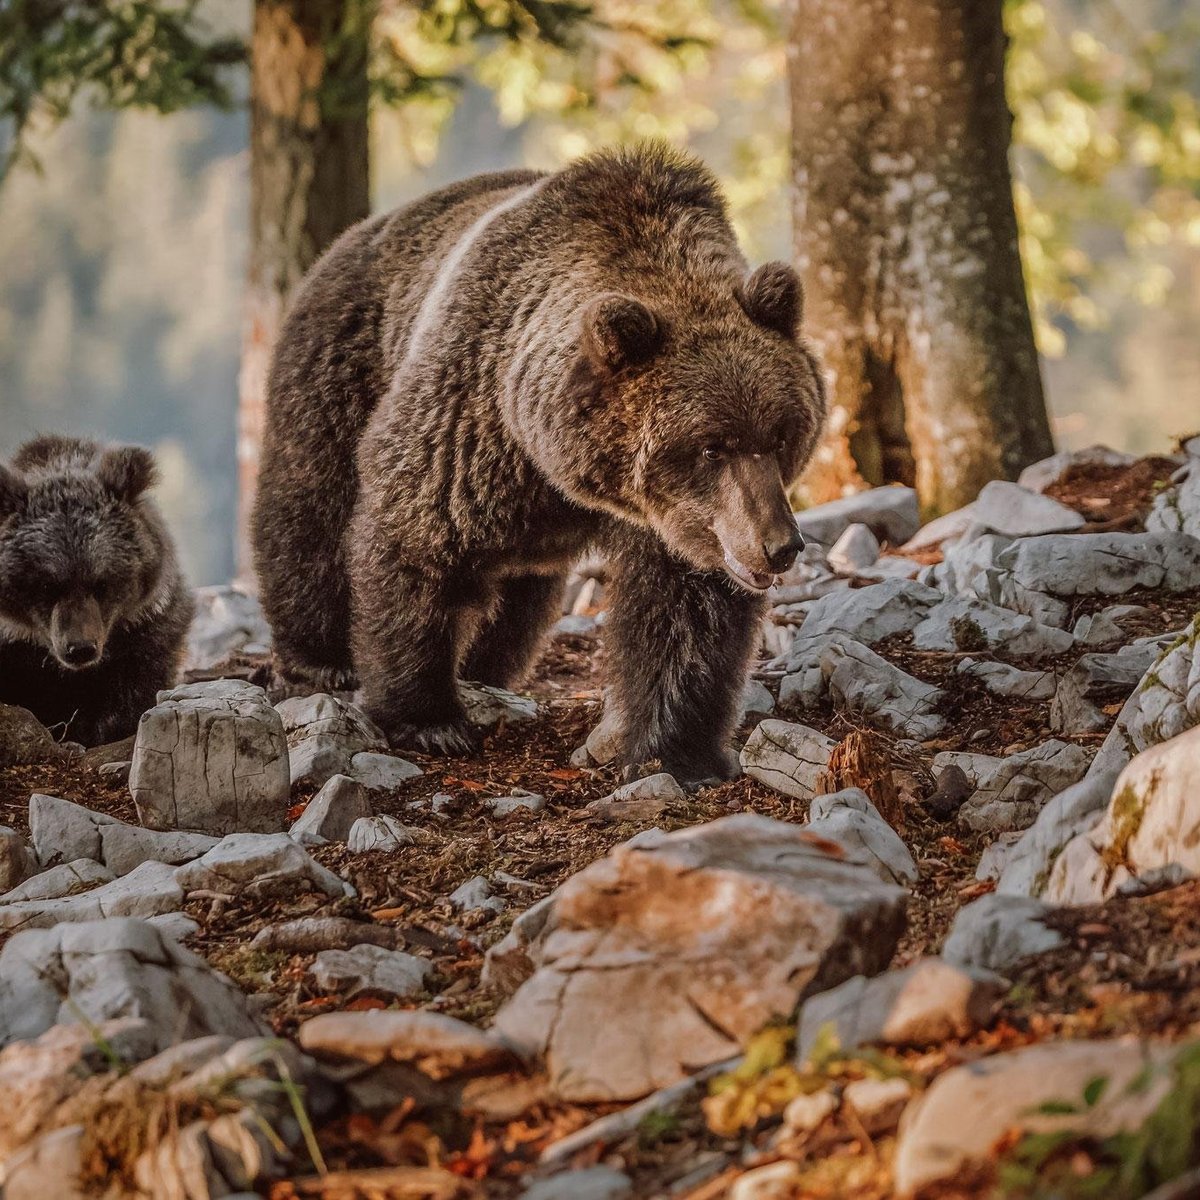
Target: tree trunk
(308, 182)
(907, 239)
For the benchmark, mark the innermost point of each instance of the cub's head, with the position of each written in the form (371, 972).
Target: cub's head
(78, 548)
(706, 415)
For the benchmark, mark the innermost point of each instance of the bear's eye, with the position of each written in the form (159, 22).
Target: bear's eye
(713, 453)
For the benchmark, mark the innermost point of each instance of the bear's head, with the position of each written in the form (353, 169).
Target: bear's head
(79, 551)
(700, 415)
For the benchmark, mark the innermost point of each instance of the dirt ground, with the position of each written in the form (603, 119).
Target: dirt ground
(1130, 965)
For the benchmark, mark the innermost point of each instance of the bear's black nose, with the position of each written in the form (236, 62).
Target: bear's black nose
(79, 654)
(781, 554)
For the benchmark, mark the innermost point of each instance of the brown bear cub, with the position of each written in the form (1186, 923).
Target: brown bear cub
(93, 608)
(471, 392)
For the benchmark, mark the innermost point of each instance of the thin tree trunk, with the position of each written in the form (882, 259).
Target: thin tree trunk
(907, 239)
(308, 182)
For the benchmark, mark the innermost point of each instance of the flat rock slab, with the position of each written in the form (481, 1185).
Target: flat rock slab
(211, 757)
(788, 757)
(863, 683)
(378, 833)
(967, 624)
(1005, 507)
(488, 707)
(926, 1003)
(1009, 682)
(872, 613)
(75, 876)
(642, 800)
(98, 970)
(1091, 684)
(436, 1045)
(674, 950)
(967, 1110)
(372, 969)
(244, 858)
(146, 891)
(849, 818)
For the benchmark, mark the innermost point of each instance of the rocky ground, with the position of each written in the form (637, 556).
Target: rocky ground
(940, 939)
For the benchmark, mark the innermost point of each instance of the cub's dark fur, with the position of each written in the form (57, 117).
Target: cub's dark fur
(471, 391)
(93, 609)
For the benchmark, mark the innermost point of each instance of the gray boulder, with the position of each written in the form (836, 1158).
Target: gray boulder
(1009, 508)
(1011, 793)
(211, 757)
(966, 623)
(789, 757)
(872, 613)
(849, 818)
(996, 931)
(623, 949)
(99, 970)
(332, 812)
(259, 859)
(928, 1002)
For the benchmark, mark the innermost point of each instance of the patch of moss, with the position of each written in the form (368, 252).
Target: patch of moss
(251, 969)
(968, 634)
(1126, 813)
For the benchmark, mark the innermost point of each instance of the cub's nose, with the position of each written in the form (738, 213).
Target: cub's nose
(782, 553)
(79, 654)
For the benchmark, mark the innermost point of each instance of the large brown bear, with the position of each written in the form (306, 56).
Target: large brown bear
(471, 392)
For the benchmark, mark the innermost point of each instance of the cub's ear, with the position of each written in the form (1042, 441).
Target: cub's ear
(773, 297)
(619, 331)
(127, 471)
(13, 490)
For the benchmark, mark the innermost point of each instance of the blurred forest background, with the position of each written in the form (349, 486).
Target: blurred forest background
(123, 235)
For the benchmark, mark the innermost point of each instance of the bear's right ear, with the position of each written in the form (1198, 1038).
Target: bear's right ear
(773, 297)
(127, 471)
(620, 331)
(13, 490)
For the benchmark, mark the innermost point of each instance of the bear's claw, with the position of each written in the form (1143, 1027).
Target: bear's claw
(452, 739)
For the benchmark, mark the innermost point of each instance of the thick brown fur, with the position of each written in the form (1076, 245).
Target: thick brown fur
(472, 391)
(93, 609)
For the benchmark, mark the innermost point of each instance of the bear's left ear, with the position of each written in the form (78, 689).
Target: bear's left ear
(619, 331)
(127, 471)
(773, 297)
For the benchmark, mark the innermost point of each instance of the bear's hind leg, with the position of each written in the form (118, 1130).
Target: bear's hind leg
(408, 631)
(679, 643)
(510, 637)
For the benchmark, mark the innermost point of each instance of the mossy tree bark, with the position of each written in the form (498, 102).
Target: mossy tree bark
(308, 182)
(907, 238)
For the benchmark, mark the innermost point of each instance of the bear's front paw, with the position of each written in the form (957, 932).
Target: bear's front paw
(452, 739)
(710, 771)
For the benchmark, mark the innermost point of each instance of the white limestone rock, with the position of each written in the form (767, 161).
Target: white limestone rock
(381, 772)
(1165, 703)
(255, 858)
(227, 621)
(1151, 823)
(384, 832)
(789, 757)
(642, 800)
(965, 623)
(211, 757)
(1009, 682)
(864, 684)
(488, 707)
(1026, 870)
(63, 880)
(857, 547)
(849, 818)
(332, 812)
(1011, 794)
(369, 969)
(872, 613)
(62, 831)
(996, 931)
